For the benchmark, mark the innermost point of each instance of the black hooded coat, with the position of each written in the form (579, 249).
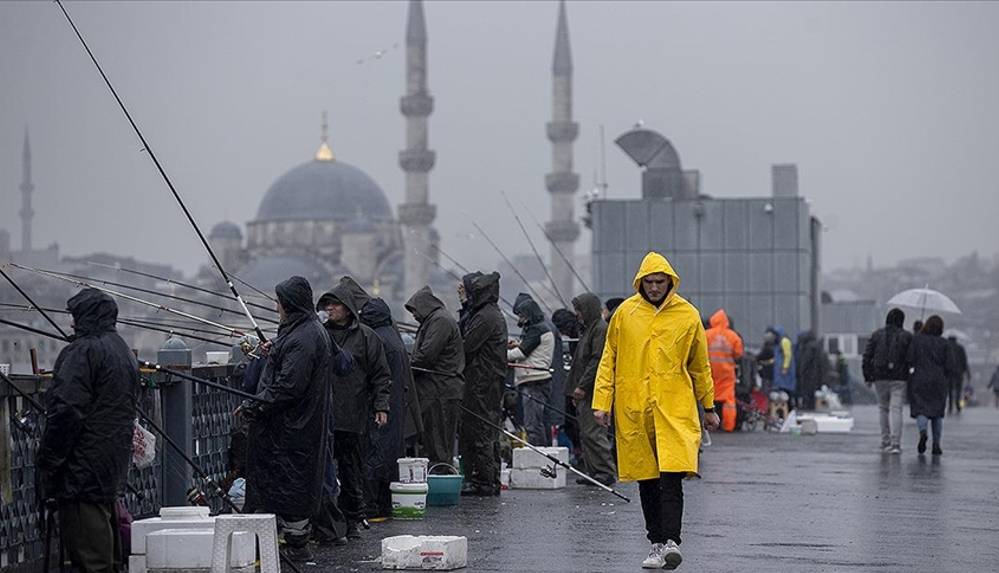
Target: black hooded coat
(933, 366)
(367, 388)
(438, 348)
(287, 431)
(86, 449)
(590, 347)
(812, 367)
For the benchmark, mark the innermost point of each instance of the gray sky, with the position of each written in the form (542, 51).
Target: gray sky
(890, 110)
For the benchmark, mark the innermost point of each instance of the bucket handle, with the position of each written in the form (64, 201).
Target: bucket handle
(454, 469)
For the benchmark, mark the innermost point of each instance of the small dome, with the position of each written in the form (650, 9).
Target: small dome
(324, 189)
(226, 230)
(174, 343)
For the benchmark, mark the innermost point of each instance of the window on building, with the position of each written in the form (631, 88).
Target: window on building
(832, 344)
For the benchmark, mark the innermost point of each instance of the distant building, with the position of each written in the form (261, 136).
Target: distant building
(756, 257)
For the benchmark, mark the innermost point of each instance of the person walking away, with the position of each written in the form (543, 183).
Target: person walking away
(287, 426)
(361, 395)
(598, 458)
(86, 447)
(784, 371)
(724, 350)
(812, 368)
(994, 384)
(484, 335)
(933, 367)
(886, 366)
(438, 360)
(653, 373)
(963, 374)
(533, 353)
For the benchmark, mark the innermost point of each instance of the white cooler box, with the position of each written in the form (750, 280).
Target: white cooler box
(526, 458)
(425, 552)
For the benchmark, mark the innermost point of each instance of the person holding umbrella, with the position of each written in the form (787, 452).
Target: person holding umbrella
(933, 366)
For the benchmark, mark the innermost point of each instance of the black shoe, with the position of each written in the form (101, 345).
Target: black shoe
(937, 451)
(352, 531)
(297, 553)
(921, 448)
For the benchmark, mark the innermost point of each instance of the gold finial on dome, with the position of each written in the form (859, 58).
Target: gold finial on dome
(324, 153)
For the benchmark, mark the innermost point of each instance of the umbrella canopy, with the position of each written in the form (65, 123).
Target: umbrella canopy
(924, 299)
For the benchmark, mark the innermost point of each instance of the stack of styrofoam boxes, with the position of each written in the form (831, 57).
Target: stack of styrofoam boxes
(425, 552)
(527, 465)
(181, 539)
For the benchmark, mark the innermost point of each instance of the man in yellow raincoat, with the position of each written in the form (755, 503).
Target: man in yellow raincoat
(653, 373)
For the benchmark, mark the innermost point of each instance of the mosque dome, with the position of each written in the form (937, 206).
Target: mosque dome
(226, 230)
(324, 188)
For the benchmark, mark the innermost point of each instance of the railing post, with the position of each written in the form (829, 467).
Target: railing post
(177, 402)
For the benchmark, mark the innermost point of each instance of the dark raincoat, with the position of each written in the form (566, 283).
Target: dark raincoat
(366, 389)
(590, 347)
(812, 367)
(438, 348)
(86, 449)
(287, 432)
(934, 365)
(484, 333)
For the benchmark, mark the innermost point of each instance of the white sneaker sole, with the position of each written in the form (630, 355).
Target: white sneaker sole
(650, 565)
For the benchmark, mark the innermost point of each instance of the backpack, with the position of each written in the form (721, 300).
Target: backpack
(889, 354)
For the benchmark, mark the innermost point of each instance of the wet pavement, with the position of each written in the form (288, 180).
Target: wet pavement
(767, 502)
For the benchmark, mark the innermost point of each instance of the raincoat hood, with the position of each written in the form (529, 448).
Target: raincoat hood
(588, 305)
(482, 288)
(423, 303)
(344, 293)
(656, 263)
(719, 319)
(361, 296)
(527, 308)
(376, 313)
(93, 312)
(778, 332)
(295, 295)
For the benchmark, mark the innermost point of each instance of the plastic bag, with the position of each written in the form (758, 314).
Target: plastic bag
(143, 446)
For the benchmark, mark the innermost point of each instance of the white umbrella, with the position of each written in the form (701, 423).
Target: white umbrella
(924, 299)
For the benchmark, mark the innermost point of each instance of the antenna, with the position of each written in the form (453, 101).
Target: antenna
(603, 164)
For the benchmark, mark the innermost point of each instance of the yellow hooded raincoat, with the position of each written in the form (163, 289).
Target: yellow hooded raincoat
(653, 372)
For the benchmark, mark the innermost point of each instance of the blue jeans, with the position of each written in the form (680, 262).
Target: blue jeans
(935, 423)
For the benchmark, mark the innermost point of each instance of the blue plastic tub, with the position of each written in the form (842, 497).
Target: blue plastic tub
(444, 489)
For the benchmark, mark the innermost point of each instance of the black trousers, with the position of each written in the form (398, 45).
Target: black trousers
(348, 450)
(91, 535)
(662, 505)
(440, 429)
(478, 443)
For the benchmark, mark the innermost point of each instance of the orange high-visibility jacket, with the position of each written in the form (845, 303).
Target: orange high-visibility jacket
(724, 348)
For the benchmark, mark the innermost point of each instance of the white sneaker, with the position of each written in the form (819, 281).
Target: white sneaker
(671, 555)
(655, 560)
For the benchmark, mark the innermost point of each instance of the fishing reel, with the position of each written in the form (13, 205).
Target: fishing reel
(26, 421)
(550, 471)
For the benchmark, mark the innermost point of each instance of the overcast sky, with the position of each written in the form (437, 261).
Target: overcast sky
(890, 110)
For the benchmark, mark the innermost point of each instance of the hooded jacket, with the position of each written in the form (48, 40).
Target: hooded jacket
(86, 449)
(784, 367)
(812, 365)
(367, 388)
(724, 349)
(886, 353)
(468, 304)
(287, 436)
(438, 348)
(933, 366)
(537, 342)
(589, 349)
(653, 373)
(484, 334)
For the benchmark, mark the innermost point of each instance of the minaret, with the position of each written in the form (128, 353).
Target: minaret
(562, 183)
(26, 188)
(416, 214)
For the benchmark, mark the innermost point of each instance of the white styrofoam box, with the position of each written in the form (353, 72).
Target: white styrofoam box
(136, 564)
(192, 549)
(425, 552)
(526, 458)
(532, 479)
(142, 528)
(826, 424)
(217, 357)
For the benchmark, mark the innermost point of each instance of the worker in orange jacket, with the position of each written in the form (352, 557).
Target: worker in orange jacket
(724, 348)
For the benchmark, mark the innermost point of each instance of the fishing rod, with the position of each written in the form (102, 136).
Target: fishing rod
(460, 279)
(558, 250)
(222, 310)
(163, 174)
(540, 401)
(534, 249)
(178, 283)
(500, 252)
(253, 288)
(546, 472)
(173, 332)
(30, 300)
(235, 332)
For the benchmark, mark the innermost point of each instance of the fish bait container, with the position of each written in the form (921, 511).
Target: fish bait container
(413, 470)
(444, 489)
(409, 500)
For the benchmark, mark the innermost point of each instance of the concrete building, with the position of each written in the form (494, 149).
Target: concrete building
(562, 183)
(756, 257)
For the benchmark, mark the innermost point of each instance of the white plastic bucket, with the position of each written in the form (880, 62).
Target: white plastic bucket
(413, 470)
(409, 500)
